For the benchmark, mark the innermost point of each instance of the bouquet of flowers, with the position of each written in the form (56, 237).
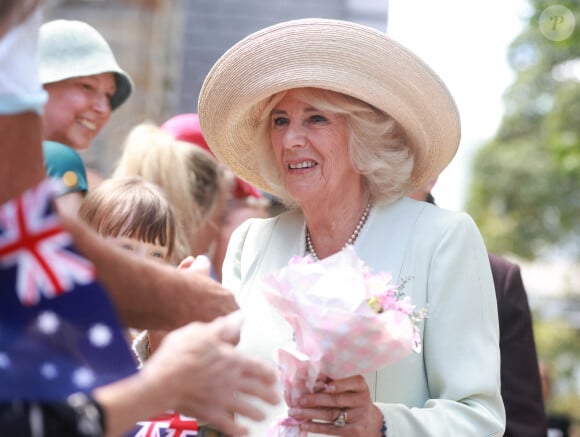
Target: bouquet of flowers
(347, 321)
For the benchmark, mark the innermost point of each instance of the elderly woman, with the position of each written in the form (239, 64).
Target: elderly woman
(341, 123)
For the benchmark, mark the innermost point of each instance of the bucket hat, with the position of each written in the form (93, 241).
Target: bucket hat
(70, 48)
(335, 55)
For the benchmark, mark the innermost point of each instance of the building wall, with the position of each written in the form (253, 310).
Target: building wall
(213, 26)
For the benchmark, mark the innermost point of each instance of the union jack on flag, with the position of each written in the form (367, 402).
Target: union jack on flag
(59, 333)
(34, 241)
(169, 424)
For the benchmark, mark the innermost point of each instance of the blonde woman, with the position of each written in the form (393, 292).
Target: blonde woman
(192, 180)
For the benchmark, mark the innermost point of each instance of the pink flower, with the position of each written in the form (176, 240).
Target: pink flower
(338, 310)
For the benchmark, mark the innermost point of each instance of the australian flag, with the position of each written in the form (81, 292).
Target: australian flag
(59, 333)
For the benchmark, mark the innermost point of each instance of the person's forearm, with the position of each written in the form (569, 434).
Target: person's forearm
(173, 298)
(20, 143)
(147, 294)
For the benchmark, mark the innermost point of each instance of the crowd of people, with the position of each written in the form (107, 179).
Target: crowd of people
(189, 385)
(336, 141)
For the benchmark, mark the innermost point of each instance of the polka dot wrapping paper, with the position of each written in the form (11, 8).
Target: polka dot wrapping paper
(347, 321)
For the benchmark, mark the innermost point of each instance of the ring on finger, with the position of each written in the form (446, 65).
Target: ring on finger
(341, 420)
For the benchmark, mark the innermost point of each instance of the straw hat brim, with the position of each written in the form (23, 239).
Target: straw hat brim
(335, 55)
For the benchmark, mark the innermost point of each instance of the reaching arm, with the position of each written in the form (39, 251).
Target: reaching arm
(173, 297)
(21, 166)
(202, 383)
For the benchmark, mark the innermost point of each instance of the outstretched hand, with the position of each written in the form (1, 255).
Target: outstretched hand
(199, 371)
(129, 278)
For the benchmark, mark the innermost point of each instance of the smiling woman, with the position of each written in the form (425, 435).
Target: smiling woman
(78, 108)
(83, 79)
(341, 122)
(294, 124)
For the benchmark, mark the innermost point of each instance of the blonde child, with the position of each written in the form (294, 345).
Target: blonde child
(136, 215)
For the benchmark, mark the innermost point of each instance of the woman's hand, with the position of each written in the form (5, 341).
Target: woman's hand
(349, 397)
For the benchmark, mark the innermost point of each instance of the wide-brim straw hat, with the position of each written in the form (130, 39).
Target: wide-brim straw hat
(71, 48)
(334, 55)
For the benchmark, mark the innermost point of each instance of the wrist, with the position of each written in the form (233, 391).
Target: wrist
(151, 383)
(127, 401)
(90, 416)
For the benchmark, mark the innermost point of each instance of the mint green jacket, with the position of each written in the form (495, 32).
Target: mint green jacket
(451, 388)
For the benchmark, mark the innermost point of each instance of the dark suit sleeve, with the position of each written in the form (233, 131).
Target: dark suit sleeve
(520, 378)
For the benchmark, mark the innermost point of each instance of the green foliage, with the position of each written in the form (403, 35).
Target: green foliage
(525, 190)
(558, 346)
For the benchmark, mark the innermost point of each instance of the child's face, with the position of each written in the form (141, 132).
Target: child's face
(141, 248)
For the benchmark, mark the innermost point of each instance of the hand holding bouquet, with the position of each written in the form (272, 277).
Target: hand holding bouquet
(347, 321)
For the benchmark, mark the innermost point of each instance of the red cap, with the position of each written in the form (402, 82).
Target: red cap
(185, 127)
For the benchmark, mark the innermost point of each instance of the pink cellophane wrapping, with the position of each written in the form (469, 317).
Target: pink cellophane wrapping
(337, 334)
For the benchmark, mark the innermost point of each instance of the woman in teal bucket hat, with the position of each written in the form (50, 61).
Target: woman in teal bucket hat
(83, 79)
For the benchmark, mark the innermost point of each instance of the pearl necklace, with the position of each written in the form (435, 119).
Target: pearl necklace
(351, 240)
